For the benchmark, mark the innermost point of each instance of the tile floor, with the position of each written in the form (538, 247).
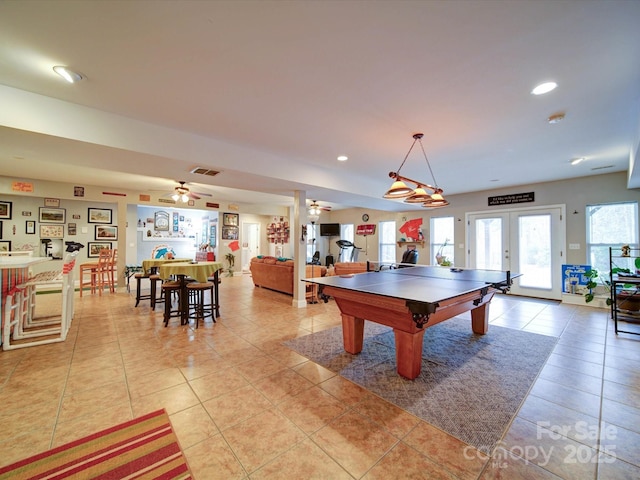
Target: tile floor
(245, 407)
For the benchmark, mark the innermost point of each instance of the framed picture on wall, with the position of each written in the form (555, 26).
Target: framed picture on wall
(229, 233)
(99, 215)
(212, 235)
(30, 227)
(5, 210)
(5, 246)
(230, 219)
(51, 231)
(95, 247)
(161, 221)
(106, 232)
(72, 228)
(52, 215)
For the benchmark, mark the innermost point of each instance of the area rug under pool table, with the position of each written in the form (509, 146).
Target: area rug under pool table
(471, 386)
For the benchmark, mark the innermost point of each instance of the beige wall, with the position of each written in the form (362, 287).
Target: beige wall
(575, 194)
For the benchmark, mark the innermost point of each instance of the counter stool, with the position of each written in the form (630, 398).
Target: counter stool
(168, 290)
(139, 277)
(154, 295)
(197, 301)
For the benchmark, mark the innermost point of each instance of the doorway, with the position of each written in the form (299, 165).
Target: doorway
(527, 241)
(250, 244)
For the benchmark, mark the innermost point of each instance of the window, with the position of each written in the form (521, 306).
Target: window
(387, 242)
(346, 232)
(442, 239)
(312, 244)
(610, 225)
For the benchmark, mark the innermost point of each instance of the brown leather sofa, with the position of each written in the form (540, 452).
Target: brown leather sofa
(274, 274)
(348, 268)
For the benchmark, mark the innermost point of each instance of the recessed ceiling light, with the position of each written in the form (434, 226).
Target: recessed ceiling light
(343, 158)
(575, 161)
(544, 88)
(69, 75)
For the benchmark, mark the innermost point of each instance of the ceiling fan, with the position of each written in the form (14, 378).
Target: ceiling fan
(314, 211)
(315, 208)
(183, 194)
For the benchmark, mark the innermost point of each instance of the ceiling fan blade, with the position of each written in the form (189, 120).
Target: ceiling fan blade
(193, 196)
(203, 194)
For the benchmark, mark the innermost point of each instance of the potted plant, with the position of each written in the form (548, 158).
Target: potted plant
(592, 282)
(231, 260)
(441, 259)
(627, 298)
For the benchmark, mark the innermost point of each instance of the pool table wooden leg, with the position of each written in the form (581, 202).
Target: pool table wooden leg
(352, 333)
(409, 353)
(480, 319)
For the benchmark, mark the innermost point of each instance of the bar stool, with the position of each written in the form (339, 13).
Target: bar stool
(168, 290)
(197, 300)
(155, 298)
(139, 296)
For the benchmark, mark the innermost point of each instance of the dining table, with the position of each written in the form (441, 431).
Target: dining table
(200, 271)
(150, 265)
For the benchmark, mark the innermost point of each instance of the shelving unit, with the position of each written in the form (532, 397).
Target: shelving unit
(417, 242)
(625, 288)
(278, 232)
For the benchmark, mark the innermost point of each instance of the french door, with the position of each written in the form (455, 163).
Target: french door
(528, 241)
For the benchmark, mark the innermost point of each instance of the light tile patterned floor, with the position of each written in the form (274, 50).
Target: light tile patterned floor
(246, 407)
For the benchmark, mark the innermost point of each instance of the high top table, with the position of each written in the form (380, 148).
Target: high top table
(154, 263)
(201, 271)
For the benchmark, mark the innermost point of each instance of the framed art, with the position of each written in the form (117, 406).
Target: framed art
(212, 235)
(72, 229)
(5, 246)
(51, 231)
(52, 215)
(161, 221)
(95, 247)
(229, 233)
(52, 202)
(30, 227)
(230, 219)
(106, 232)
(99, 215)
(5, 210)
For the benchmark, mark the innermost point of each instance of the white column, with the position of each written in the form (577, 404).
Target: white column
(299, 247)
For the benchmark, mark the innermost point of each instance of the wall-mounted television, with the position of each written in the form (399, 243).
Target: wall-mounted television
(330, 229)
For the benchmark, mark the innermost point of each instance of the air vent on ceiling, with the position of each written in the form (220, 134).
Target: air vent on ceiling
(602, 168)
(204, 171)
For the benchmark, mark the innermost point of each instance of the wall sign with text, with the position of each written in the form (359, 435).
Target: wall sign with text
(513, 198)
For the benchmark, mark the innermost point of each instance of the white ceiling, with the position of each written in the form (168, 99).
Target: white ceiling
(269, 93)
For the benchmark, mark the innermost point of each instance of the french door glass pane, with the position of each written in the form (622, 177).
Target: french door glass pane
(534, 252)
(489, 244)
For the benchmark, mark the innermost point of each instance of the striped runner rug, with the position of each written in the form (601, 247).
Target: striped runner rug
(142, 448)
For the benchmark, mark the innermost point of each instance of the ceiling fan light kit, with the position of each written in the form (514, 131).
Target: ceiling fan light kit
(314, 211)
(429, 195)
